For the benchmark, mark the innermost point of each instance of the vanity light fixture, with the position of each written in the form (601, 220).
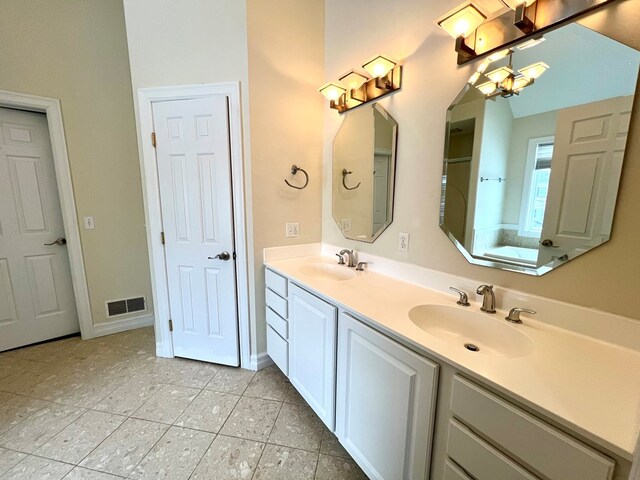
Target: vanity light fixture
(355, 89)
(532, 18)
(505, 82)
(460, 24)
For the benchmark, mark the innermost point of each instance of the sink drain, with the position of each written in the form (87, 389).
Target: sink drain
(471, 347)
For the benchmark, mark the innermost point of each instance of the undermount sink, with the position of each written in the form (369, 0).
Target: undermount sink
(328, 271)
(477, 332)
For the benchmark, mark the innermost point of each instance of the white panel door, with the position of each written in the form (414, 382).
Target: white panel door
(385, 403)
(36, 295)
(194, 168)
(585, 172)
(312, 351)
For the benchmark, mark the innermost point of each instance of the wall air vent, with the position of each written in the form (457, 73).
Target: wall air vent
(126, 305)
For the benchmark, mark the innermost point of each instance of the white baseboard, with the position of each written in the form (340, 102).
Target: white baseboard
(117, 326)
(259, 361)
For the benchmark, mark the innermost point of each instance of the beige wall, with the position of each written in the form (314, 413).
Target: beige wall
(76, 51)
(606, 278)
(275, 50)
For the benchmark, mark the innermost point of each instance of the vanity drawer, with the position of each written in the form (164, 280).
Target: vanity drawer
(276, 322)
(276, 282)
(278, 350)
(479, 458)
(277, 303)
(452, 472)
(537, 445)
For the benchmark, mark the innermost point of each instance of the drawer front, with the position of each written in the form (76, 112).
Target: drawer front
(279, 324)
(452, 472)
(479, 458)
(277, 303)
(536, 444)
(276, 282)
(278, 350)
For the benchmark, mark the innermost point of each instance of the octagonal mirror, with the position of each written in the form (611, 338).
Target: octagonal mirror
(531, 176)
(364, 160)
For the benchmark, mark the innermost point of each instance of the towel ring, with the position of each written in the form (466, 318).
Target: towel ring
(346, 172)
(295, 169)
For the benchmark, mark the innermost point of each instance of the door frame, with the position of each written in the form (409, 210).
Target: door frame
(51, 108)
(153, 213)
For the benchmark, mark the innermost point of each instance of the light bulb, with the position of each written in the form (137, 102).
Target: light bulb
(332, 91)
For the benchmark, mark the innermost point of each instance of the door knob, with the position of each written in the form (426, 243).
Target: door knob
(221, 256)
(548, 243)
(58, 241)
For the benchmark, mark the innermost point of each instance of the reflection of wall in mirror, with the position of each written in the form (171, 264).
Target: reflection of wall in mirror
(353, 149)
(382, 172)
(458, 172)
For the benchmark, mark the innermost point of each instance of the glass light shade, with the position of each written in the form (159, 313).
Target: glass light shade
(530, 43)
(332, 91)
(487, 88)
(520, 82)
(499, 74)
(462, 22)
(379, 66)
(483, 66)
(534, 70)
(513, 4)
(474, 78)
(353, 80)
(498, 55)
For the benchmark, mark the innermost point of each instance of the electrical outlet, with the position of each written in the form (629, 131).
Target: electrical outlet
(89, 223)
(403, 242)
(346, 224)
(292, 230)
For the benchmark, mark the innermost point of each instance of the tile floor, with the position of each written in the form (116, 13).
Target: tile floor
(108, 408)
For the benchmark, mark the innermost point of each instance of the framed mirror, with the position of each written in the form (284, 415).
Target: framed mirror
(364, 164)
(531, 175)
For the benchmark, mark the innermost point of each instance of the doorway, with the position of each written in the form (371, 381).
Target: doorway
(194, 206)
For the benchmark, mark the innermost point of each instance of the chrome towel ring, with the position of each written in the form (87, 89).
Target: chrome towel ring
(295, 169)
(346, 172)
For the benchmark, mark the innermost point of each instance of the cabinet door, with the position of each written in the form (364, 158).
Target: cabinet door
(385, 403)
(312, 351)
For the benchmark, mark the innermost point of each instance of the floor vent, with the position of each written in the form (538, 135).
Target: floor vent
(127, 305)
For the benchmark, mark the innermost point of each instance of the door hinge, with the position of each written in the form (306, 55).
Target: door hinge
(170, 325)
(153, 139)
(162, 238)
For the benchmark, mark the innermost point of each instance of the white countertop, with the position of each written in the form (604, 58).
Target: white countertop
(591, 387)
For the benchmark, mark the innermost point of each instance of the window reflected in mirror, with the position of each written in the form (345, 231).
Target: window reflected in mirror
(532, 165)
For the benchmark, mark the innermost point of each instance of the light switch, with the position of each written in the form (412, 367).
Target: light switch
(89, 223)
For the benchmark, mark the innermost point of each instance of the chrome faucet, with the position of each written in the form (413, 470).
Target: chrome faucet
(489, 300)
(351, 255)
(514, 314)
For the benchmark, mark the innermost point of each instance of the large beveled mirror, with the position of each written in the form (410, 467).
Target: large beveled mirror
(531, 175)
(364, 159)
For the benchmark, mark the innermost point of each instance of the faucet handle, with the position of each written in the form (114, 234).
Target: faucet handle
(514, 314)
(360, 267)
(464, 299)
(340, 259)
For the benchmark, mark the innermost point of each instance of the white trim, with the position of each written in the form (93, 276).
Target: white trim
(525, 201)
(260, 361)
(153, 215)
(51, 107)
(123, 325)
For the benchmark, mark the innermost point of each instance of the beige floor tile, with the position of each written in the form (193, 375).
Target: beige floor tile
(4, 396)
(231, 380)
(129, 397)
(122, 451)
(186, 373)
(77, 440)
(294, 397)
(16, 410)
(270, 384)
(79, 473)
(337, 468)
(175, 456)
(40, 427)
(9, 459)
(229, 458)
(24, 381)
(331, 445)
(167, 404)
(32, 468)
(10, 365)
(297, 426)
(283, 463)
(208, 411)
(252, 418)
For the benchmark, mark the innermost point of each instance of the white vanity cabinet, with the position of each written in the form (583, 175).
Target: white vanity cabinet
(312, 351)
(385, 403)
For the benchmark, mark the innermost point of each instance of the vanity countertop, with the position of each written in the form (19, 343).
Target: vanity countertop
(590, 386)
